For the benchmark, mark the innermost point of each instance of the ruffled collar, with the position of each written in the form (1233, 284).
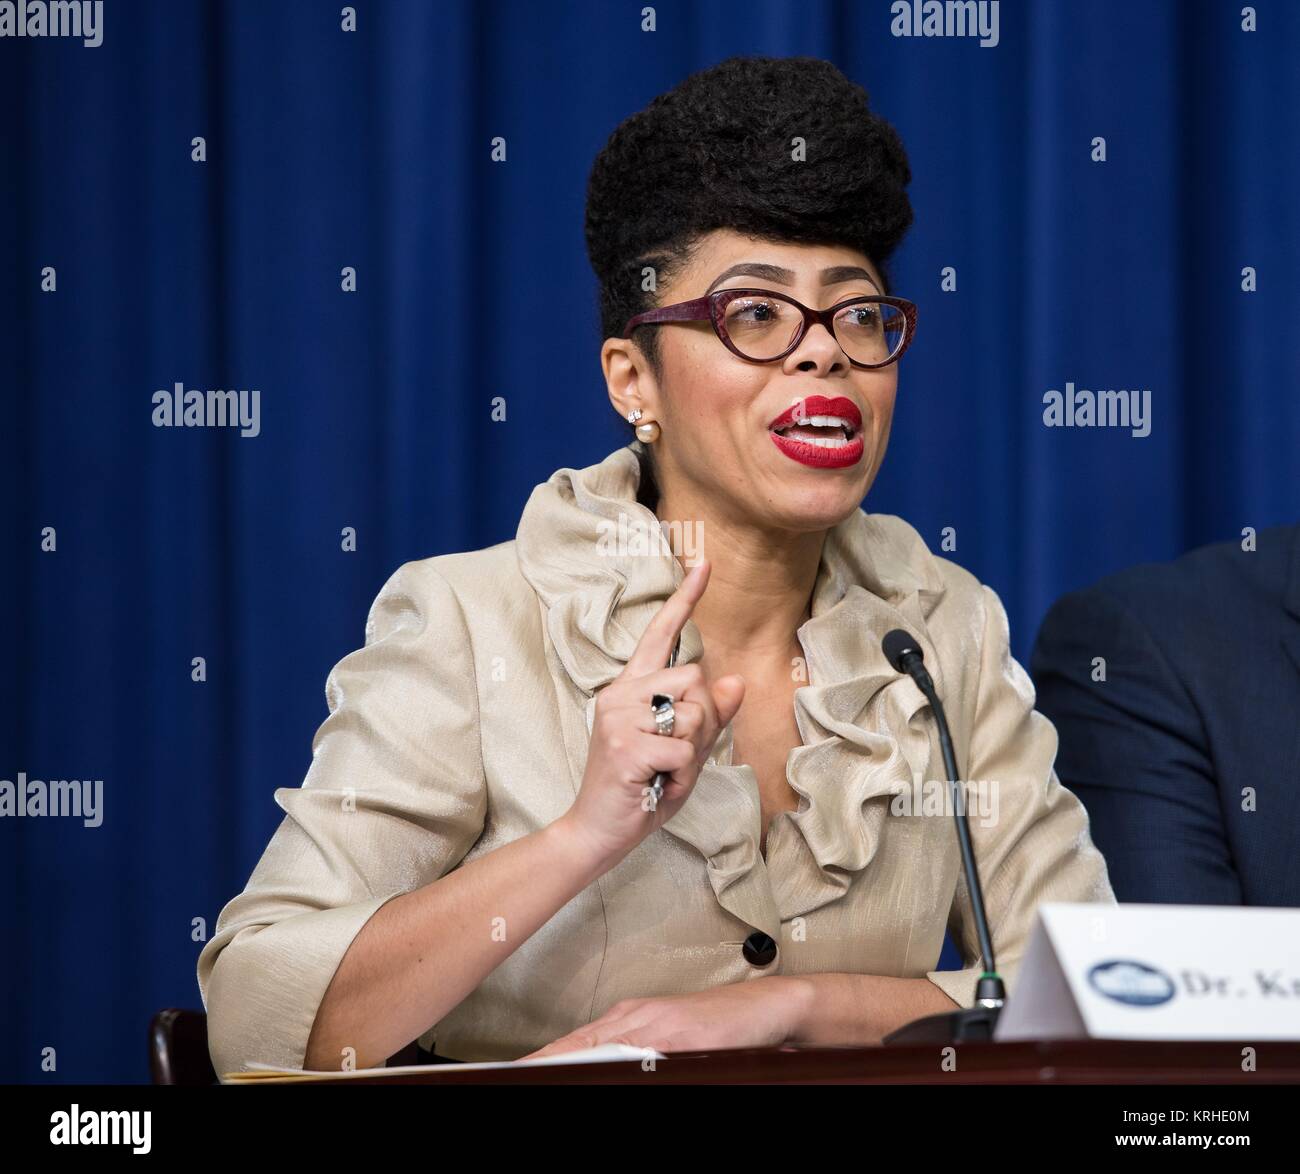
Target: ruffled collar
(857, 717)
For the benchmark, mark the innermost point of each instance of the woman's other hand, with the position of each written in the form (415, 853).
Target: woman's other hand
(760, 1013)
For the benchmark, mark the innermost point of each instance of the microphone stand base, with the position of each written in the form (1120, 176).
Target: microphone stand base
(964, 1026)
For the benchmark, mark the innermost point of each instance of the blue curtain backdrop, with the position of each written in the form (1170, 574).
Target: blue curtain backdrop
(371, 149)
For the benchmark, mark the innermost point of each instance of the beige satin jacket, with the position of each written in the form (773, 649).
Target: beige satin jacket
(462, 724)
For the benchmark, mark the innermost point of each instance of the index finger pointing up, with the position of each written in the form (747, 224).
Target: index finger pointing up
(657, 641)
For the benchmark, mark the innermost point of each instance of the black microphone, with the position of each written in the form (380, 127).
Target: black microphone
(968, 1023)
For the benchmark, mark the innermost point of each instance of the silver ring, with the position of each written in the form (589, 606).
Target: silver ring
(661, 705)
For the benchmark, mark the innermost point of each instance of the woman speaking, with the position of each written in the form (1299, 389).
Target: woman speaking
(575, 791)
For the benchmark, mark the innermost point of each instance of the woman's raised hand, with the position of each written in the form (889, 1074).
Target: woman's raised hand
(612, 812)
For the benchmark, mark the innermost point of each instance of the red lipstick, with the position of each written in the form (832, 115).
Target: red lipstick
(820, 432)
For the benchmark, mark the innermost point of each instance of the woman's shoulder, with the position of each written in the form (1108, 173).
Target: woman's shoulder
(485, 586)
(965, 620)
(915, 560)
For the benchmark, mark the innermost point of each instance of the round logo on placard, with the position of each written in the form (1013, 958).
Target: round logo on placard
(1134, 983)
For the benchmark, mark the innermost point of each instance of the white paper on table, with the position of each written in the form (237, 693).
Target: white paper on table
(604, 1054)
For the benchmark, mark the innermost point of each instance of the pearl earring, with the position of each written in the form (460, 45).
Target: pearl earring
(647, 433)
(634, 415)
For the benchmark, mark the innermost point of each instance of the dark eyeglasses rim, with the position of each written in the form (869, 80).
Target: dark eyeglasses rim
(711, 307)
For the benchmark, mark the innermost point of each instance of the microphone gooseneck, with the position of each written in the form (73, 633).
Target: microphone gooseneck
(903, 652)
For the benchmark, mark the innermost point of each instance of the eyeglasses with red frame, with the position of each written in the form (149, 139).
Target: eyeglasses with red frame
(887, 328)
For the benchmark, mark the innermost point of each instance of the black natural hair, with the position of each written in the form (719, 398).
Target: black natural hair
(716, 151)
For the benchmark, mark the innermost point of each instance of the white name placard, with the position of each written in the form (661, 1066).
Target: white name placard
(1157, 972)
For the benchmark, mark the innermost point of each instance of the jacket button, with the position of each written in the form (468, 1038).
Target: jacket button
(759, 949)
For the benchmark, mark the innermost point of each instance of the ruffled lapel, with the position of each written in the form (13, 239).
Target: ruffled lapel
(599, 592)
(857, 717)
(858, 720)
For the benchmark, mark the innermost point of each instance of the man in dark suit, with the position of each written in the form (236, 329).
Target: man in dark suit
(1175, 689)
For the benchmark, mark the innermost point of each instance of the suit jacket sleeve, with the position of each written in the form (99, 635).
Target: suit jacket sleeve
(394, 798)
(1033, 845)
(1133, 748)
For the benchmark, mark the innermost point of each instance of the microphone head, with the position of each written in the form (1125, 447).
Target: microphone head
(898, 644)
